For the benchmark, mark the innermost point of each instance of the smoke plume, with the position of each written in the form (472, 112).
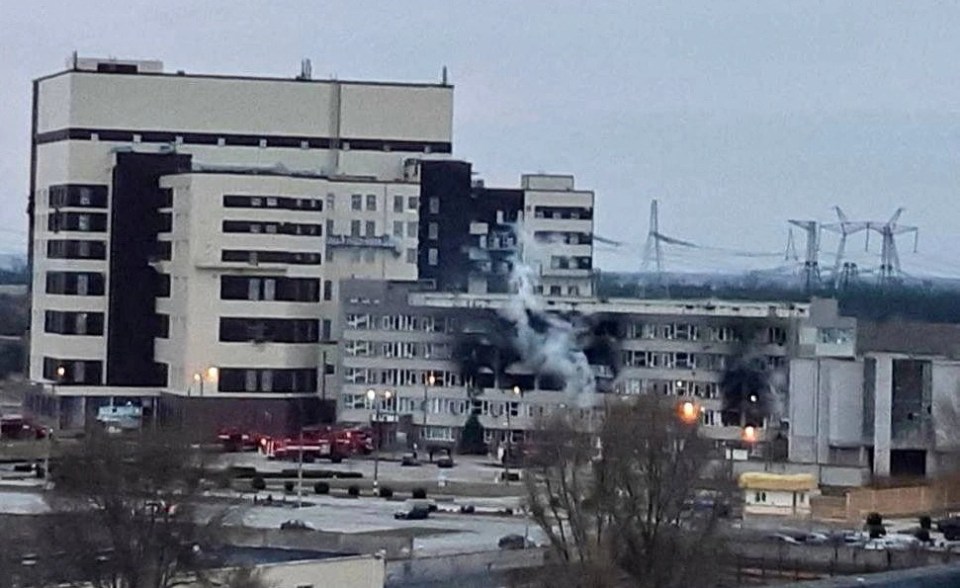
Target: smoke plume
(545, 342)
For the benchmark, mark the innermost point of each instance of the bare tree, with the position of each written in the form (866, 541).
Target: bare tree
(637, 503)
(126, 512)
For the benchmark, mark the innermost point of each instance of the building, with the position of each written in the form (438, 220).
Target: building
(471, 234)
(889, 409)
(443, 355)
(778, 494)
(189, 232)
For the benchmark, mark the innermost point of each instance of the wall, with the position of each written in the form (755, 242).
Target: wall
(354, 572)
(448, 568)
(394, 546)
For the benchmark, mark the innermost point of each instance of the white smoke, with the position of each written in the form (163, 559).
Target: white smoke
(555, 350)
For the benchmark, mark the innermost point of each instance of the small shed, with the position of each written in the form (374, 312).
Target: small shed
(777, 494)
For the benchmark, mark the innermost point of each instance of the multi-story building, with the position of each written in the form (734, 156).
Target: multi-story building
(877, 399)
(189, 232)
(472, 234)
(445, 355)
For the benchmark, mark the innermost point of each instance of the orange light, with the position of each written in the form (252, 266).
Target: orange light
(212, 374)
(688, 412)
(196, 377)
(749, 434)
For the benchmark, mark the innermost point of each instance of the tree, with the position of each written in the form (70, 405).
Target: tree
(127, 514)
(471, 438)
(636, 502)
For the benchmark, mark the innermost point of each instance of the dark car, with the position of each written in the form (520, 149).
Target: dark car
(415, 513)
(409, 460)
(950, 527)
(445, 462)
(296, 525)
(514, 542)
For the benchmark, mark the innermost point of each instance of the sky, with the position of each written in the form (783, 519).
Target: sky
(736, 116)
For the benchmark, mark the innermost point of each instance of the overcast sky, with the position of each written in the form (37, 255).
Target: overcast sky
(735, 115)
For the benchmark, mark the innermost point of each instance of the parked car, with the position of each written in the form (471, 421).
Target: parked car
(815, 539)
(414, 513)
(409, 460)
(950, 527)
(783, 538)
(445, 462)
(511, 542)
(296, 525)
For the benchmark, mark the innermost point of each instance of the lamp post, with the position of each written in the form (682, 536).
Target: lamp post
(431, 380)
(377, 400)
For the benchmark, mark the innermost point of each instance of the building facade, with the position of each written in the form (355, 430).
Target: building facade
(188, 232)
(442, 356)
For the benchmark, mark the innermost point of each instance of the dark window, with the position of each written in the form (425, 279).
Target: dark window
(269, 288)
(255, 257)
(125, 68)
(163, 285)
(163, 326)
(237, 329)
(267, 380)
(398, 203)
(371, 201)
(305, 229)
(162, 250)
(76, 249)
(75, 283)
(72, 371)
(327, 331)
(328, 290)
(88, 222)
(269, 201)
(78, 196)
(166, 222)
(166, 198)
(73, 323)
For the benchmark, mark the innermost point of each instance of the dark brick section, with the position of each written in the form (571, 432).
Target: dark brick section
(134, 225)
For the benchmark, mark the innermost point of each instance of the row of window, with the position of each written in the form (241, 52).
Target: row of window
(89, 222)
(73, 323)
(76, 249)
(563, 212)
(273, 228)
(259, 256)
(72, 371)
(280, 202)
(688, 332)
(397, 349)
(238, 140)
(75, 283)
(401, 377)
(267, 380)
(77, 196)
(274, 288)
(275, 330)
(402, 322)
(682, 360)
(564, 237)
(634, 386)
(564, 262)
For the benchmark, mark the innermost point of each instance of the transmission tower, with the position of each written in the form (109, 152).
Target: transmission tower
(889, 257)
(653, 248)
(844, 227)
(811, 265)
(790, 253)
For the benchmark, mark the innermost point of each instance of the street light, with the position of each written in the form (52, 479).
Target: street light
(372, 396)
(688, 412)
(516, 391)
(431, 381)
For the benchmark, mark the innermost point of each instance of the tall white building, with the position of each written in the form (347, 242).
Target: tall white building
(188, 232)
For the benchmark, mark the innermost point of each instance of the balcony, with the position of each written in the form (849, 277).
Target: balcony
(380, 242)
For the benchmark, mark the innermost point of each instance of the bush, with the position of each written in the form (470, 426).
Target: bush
(385, 492)
(321, 488)
(353, 491)
(258, 483)
(288, 486)
(874, 518)
(419, 493)
(925, 522)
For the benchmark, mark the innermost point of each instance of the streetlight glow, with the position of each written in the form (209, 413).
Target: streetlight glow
(196, 377)
(688, 412)
(371, 394)
(516, 390)
(212, 374)
(61, 371)
(387, 394)
(749, 433)
(431, 380)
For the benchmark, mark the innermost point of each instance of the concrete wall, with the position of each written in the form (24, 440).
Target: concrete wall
(394, 547)
(826, 407)
(356, 572)
(449, 568)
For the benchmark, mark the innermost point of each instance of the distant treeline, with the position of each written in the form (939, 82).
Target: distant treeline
(14, 276)
(928, 303)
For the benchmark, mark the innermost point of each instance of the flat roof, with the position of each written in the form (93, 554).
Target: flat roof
(240, 556)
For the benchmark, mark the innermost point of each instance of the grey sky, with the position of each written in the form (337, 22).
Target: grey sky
(736, 115)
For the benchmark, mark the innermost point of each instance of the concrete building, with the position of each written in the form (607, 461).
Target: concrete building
(778, 494)
(887, 406)
(471, 234)
(443, 355)
(188, 232)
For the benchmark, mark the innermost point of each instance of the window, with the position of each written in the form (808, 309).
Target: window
(556, 290)
(326, 327)
(371, 201)
(432, 256)
(354, 228)
(398, 229)
(434, 205)
(412, 229)
(331, 201)
(328, 290)
(269, 289)
(411, 256)
(371, 228)
(433, 231)
(573, 290)
(398, 203)
(356, 202)
(413, 203)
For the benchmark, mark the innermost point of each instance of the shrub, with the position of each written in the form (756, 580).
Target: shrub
(258, 483)
(353, 491)
(874, 518)
(288, 486)
(925, 522)
(321, 488)
(385, 492)
(419, 493)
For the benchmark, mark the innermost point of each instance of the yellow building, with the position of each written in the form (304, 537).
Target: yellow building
(777, 494)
